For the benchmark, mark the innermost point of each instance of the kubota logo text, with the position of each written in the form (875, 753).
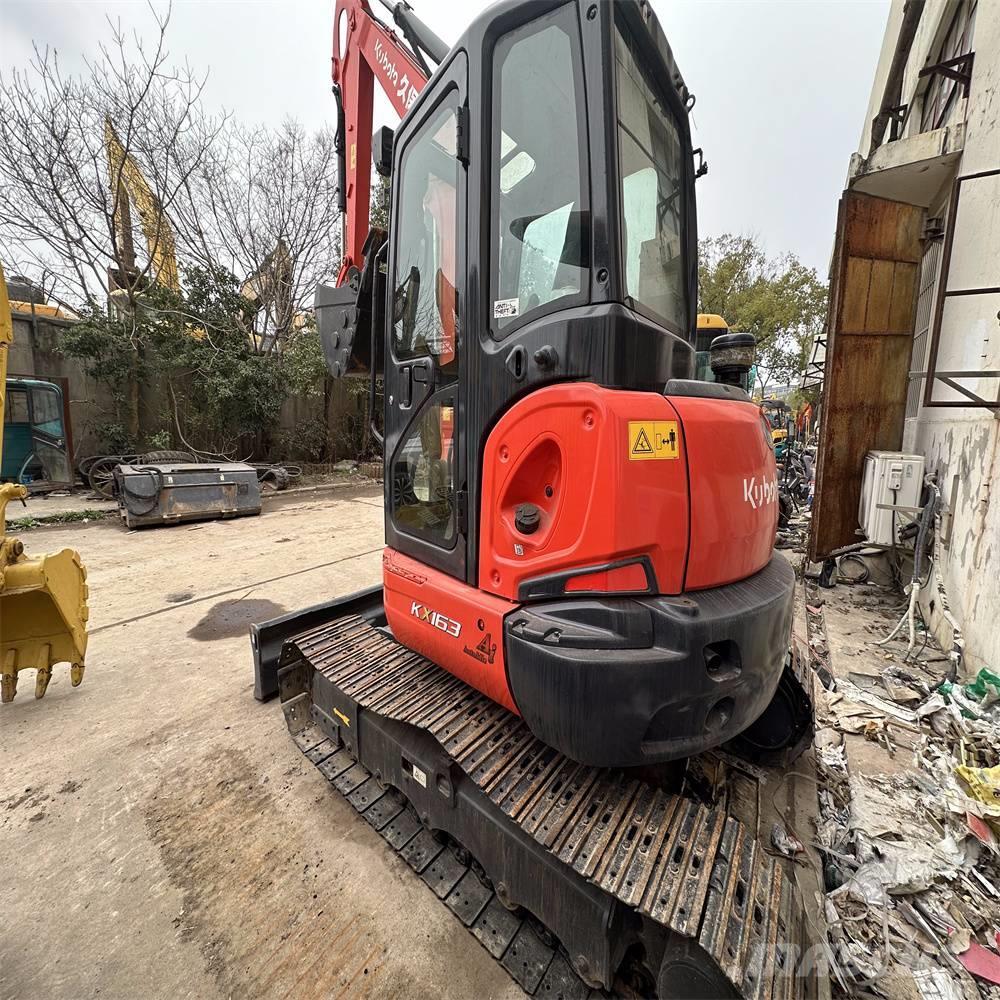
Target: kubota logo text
(405, 90)
(757, 494)
(435, 618)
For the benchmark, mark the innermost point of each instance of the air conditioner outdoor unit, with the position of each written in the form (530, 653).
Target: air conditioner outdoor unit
(890, 477)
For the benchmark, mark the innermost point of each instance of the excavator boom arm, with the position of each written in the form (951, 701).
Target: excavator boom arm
(128, 185)
(366, 50)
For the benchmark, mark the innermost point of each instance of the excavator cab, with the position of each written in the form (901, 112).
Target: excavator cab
(512, 250)
(36, 449)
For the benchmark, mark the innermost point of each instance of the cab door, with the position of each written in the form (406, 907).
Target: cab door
(36, 449)
(425, 474)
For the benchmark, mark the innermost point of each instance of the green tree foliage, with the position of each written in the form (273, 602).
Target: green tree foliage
(224, 386)
(779, 300)
(379, 212)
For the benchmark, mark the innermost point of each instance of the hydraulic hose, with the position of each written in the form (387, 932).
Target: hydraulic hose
(151, 500)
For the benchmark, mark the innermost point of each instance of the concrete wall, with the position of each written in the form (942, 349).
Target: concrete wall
(961, 445)
(35, 351)
(933, 24)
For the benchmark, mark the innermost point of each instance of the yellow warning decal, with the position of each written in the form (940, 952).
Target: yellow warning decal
(650, 440)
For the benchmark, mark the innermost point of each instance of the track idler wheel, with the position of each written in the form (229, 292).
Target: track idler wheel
(687, 973)
(783, 730)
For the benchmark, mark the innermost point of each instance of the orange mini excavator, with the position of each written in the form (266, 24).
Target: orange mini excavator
(579, 585)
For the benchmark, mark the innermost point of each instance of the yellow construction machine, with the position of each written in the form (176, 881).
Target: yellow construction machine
(130, 187)
(43, 599)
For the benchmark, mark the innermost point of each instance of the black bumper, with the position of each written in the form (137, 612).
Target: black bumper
(621, 682)
(268, 638)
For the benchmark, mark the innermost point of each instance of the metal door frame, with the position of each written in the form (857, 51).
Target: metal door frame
(450, 85)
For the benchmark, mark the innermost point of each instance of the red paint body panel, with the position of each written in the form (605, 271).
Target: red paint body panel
(423, 606)
(604, 508)
(734, 490)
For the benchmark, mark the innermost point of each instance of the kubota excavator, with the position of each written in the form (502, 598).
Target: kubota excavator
(579, 585)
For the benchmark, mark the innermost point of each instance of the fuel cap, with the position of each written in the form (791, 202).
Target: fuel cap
(527, 518)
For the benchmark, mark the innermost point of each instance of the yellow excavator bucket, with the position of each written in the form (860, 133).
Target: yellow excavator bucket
(43, 599)
(43, 618)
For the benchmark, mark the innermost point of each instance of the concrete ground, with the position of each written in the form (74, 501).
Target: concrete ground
(161, 834)
(46, 506)
(42, 505)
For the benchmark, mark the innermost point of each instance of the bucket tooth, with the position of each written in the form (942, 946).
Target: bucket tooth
(8, 677)
(42, 677)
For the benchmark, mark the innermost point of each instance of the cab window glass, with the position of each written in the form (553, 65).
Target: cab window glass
(47, 411)
(540, 219)
(16, 410)
(652, 190)
(423, 475)
(424, 301)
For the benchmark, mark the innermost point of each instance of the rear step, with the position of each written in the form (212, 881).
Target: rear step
(625, 875)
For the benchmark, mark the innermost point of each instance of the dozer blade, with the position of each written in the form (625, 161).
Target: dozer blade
(43, 613)
(575, 878)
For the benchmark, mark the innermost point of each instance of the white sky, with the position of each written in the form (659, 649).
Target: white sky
(782, 87)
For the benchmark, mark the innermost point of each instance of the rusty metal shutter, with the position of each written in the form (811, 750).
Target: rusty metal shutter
(873, 298)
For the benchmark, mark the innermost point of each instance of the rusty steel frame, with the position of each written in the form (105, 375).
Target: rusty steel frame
(932, 374)
(958, 68)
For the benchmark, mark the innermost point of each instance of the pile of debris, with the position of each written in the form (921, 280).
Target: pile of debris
(909, 828)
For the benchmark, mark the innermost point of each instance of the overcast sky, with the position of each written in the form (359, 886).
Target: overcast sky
(782, 87)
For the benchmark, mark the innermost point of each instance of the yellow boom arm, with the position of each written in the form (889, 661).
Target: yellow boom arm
(132, 188)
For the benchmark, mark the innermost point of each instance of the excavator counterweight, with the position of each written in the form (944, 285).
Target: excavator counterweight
(580, 588)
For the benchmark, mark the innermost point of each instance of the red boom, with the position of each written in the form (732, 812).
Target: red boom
(365, 50)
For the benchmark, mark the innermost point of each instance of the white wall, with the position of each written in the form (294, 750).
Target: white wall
(963, 445)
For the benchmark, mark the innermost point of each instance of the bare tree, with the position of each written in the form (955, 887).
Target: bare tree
(74, 150)
(115, 181)
(263, 205)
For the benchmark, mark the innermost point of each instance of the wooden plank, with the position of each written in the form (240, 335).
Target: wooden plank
(909, 234)
(869, 340)
(882, 229)
(855, 304)
(879, 296)
(904, 294)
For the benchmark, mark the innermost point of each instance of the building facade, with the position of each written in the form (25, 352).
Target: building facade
(929, 164)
